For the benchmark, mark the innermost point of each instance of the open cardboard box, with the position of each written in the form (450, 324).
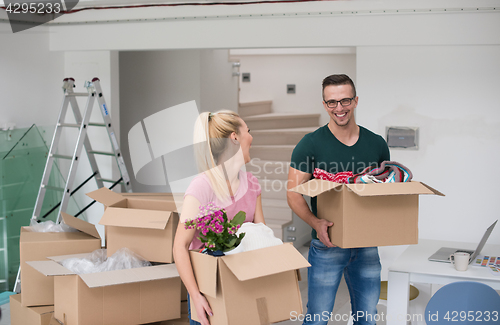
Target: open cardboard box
(128, 297)
(38, 290)
(366, 215)
(254, 287)
(146, 226)
(20, 315)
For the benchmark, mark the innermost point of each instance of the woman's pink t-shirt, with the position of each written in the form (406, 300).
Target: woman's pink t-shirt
(245, 198)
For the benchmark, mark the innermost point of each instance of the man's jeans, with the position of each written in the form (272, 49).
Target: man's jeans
(361, 268)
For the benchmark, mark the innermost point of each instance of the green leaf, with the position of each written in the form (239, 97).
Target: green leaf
(239, 218)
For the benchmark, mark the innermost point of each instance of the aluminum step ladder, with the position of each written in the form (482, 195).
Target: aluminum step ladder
(94, 92)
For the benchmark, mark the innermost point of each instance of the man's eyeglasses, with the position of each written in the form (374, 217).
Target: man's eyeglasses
(344, 102)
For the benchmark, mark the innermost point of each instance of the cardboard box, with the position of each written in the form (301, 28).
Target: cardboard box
(146, 226)
(255, 287)
(184, 307)
(366, 215)
(20, 315)
(125, 297)
(184, 292)
(37, 289)
(184, 320)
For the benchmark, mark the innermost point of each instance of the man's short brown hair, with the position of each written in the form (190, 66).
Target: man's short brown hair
(337, 80)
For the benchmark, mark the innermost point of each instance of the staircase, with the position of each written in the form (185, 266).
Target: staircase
(274, 138)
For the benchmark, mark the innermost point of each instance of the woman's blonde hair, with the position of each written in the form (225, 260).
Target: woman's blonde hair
(211, 137)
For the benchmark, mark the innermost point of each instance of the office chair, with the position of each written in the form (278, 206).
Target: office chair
(464, 302)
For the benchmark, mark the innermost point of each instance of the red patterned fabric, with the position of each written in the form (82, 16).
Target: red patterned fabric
(342, 177)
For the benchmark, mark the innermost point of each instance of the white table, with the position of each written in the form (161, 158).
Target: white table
(413, 266)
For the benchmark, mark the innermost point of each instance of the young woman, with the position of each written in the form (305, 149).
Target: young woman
(222, 146)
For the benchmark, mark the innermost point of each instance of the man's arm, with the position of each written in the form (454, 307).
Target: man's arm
(299, 205)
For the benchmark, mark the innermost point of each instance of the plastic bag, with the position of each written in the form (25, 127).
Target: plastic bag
(97, 261)
(257, 235)
(50, 226)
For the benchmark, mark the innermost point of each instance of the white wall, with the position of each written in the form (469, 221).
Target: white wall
(151, 81)
(271, 25)
(451, 94)
(218, 86)
(270, 74)
(30, 78)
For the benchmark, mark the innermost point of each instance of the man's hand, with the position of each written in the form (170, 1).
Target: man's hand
(202, 309)
(321, 228)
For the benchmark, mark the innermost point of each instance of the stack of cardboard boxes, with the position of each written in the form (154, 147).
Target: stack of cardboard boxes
(258, 287)
(135, 296)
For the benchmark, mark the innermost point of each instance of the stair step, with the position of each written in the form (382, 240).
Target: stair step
(277, 226)
(280, 136)
(282, 121)
(267, 169)
(273, 189)
(255, 108)
(273, 152)
(279, 203)
(276, 209)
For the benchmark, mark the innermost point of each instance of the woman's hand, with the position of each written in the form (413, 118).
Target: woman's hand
(183, 238)
(202, 309)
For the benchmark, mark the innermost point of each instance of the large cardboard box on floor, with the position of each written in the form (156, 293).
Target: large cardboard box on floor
(146, 226)
(125, 297)
(366, 215)
(37, 289)
(255, 287)
(184, 320)
(20, 315)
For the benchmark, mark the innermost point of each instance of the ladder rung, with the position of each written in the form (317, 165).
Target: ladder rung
(109, 180)
(97, 124)
(62, 156)
(77, 94)
(102, 153)
(55, 188)
(70, 125)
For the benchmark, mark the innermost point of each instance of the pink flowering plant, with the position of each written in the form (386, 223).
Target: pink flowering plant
(216, 231)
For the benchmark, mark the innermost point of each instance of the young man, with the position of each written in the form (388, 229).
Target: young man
(339, 146)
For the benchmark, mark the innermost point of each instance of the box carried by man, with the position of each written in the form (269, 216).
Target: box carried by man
(367, 215)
